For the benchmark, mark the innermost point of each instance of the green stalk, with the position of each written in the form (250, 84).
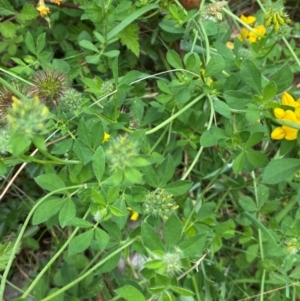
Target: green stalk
(175, 115)
(124, 246)
(263, 277)
(52, 260)
(18, 240)
(16, 76)
(196, 159)
(12, 89)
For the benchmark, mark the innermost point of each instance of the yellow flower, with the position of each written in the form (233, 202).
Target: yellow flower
(134, 216)
(230, 45)
(286, 132)
(248, 20)
(43, 9)
(106, 137)
(243, 35)
(288, 100)
(254, 36)
(278, 133)
(290, 133)
(58, 2)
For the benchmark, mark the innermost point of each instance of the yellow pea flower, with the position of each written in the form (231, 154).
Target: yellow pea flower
(106, 137)
(290, 133)
(43, 9)
(288, 100)
(278, 133)
(248, 20)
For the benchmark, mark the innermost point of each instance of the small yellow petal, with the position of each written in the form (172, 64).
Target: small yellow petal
(230, 45)
(279, 113)
(278, 133)
(248, 20)
(288, 100)
(290, 133)
(290, 116)
(106, 137)
(134, 216)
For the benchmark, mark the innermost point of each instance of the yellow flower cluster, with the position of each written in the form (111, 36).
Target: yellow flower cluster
(254, 35)
(45, 10)
(287, 132)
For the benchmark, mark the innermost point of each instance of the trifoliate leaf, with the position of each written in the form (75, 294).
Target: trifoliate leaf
(129, 37)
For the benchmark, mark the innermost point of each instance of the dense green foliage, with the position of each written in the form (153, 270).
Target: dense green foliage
(149, 152)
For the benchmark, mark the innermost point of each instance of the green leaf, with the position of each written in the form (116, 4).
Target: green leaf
(81, 242)
(238, 100)
(283, 78)
(192, 62)
(254, 139)
(80, 223)
(212, 136)
(251, 75)
(67, 213)
(270, 91)
(238, 163)
(130, 19)
(222, 108)
(6, 8)
(28, 12)
(129, 37)
(181, 291)
(280, 170)
(50, 182)
(30, 43)
(178, 187)
(172, 231)
(40, 42)
(112, 53)
(101, 238)
(133, 175)
(8, 29)
(88, 45)
(47, 209)
(256, 158)
(193, 246)
(151, 239)
(174, 59)
(130, 293)
(5, 253)
(247, 203)
(214, 66)
(115, 211)
(98, 163)
(165, 170)
(251, 252)
(150, 176)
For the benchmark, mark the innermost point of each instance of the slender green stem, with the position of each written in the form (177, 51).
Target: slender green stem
(63, 289)
(18, 240)
(196, 159)
(175, 115)
(12, 89)
(16, 76)
(158, 141)
(170, 129)
(291, 51)
(196, 285)
(52, 260)
(262, 283)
